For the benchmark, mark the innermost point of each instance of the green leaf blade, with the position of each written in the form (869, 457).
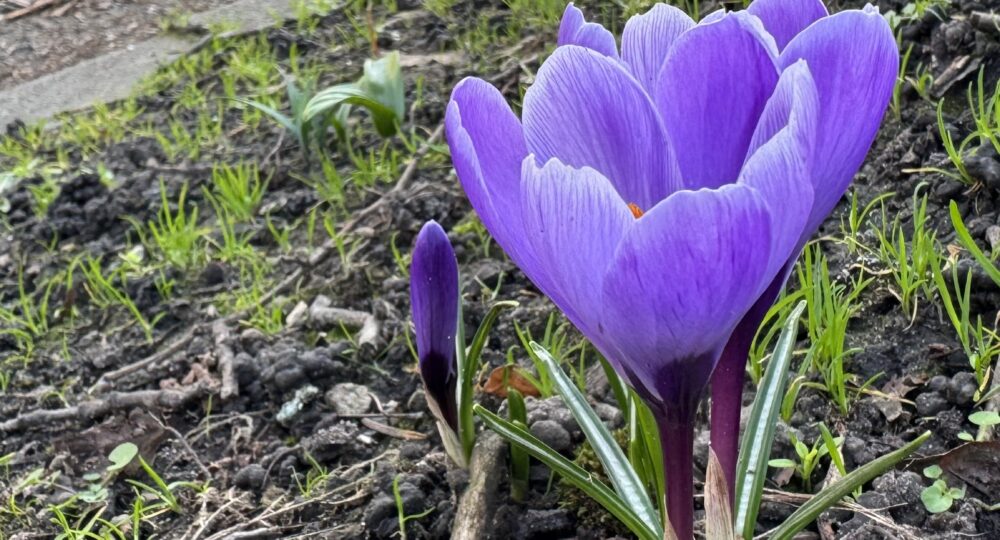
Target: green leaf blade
(570, 471)
(616, 464)
(755, 448)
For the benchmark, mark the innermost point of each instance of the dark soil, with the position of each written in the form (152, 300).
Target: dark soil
(267, 475)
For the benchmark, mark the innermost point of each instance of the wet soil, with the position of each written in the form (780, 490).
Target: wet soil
(327, 469)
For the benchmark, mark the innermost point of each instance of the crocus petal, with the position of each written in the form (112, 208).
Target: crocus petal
(854, 61)
(575, 30)
(711, 92)
(647, 39)
(487, 148)
(587, 111)
(779, 167)
(434, 301)
(573, 219)
(784, 19)
(680, 280)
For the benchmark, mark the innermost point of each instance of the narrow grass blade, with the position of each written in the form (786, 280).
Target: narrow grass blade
(808, 512)
(468, 365)
(285, 121)
(968, 243)
(570, 471)
(616, 465)
(751, 469)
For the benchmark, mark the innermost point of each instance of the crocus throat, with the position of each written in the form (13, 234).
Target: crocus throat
(636, 211)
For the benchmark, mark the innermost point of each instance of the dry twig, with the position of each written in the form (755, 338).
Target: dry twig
(113, 401)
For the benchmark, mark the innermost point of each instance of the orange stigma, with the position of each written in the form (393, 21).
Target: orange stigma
(636, 211)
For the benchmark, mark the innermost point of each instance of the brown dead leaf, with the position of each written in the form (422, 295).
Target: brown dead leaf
(509, 376)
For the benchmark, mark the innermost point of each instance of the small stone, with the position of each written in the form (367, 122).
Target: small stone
(250, 477)
(213, 274)
(857, 450)
(289, 377)
(380, 508)
(993, 236)
(938, 383)
(349, 399)
(291, 408)
(555, 523)
(930, 403)
(902, 491)
(552, 434)
(962, 388)
(609, 414)
(298, 315)
(318, 363)
(984, 169)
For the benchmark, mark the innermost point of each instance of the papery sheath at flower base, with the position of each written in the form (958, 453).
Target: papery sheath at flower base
(434, 297)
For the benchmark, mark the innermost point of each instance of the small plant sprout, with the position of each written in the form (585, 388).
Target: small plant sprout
(640, 223)
(938, 497)
(519, 459)
(807, 458)
(985, 422)
(401, 511)
(446, 368)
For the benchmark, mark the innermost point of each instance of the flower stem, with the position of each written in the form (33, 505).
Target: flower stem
(677, 442)
(727, 381)
(727, 400)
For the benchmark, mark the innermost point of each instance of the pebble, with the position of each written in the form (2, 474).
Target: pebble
(902, 492)
(553, 435)
(609, 414)
(938, 383)
(857, 450)
(553, 409)
(539, 524)
(962, 388)
(298, 315)
(349, 399)
(250, 477)
(930, 403)
(984, 169)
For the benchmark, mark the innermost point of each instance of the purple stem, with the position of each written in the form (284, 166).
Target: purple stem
(677, 441)
(727, 381)
(727, 399)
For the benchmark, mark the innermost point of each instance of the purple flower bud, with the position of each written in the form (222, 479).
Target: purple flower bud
(434, 298)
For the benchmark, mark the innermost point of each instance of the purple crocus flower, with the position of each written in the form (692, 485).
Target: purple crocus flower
(657, 195)
(434, 297)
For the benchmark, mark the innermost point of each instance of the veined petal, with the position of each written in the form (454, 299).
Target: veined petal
(647, 39)
(680, 280)
(854, 62)
(711, 92)
(573, 219)
(575, 30)
(487, 148)
(779, 167)
(434, 303)
(784, 19)
(587, 111)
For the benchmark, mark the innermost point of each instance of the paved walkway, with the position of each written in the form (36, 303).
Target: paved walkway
(112, 76)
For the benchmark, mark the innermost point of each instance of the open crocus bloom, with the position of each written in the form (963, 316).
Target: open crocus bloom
(656, 195)
(434, 298)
